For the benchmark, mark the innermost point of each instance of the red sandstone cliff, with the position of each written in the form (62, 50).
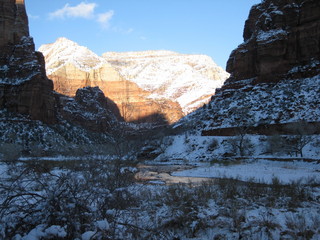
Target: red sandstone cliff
(275, 73)
(24, 87)
(71, 67)
(279, 37)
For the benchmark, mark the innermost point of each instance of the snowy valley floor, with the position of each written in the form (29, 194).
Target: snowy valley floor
(260, 171)
(255, 170)
(99, 199)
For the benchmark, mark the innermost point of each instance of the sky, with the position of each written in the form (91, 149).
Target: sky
(210, 27)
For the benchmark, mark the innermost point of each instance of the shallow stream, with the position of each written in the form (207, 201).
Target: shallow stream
(161, 174)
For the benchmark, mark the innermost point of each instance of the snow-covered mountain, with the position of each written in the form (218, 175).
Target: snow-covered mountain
(188, 79)
(65, 51)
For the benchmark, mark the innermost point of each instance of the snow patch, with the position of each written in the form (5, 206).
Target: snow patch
(270, 36)
(65, 51)
(261, 171)
(188, 79)
(103, 225)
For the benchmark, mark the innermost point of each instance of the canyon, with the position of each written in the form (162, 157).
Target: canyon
(27, 95)
(72, 168)
(274, 75)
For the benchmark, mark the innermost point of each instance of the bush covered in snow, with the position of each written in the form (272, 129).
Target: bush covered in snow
(99, 200)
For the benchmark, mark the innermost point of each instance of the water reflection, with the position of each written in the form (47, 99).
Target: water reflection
(161, 174)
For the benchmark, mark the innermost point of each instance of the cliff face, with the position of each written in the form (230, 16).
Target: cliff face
(190, 80)
(150, 86)
(24, 87)
(14, 22)
(71, 67)
(275, 73)
(281, 37)
(89, 109)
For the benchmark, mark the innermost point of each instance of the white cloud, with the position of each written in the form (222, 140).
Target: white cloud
(122, 30)
(30, 16)
(104, 18)
(87, 11)
(130, 30)
(82, 10)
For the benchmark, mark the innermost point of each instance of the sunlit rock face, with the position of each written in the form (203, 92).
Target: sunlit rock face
(190, 80)
(151, 86)
(24, 87)
(71, 67)
(275, 73)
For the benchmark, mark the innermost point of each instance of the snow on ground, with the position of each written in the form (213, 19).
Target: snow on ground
(285, 102)
(207, 153)
(188, 148)
(263, 171)
(196, 148)
(3, 170)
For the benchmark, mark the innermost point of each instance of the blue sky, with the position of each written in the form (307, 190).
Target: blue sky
(211, 27)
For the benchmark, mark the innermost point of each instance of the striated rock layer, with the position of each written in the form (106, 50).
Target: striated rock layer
(71, 67)
(275, 73)
(281, 39)
(24, 87)
(190, 80)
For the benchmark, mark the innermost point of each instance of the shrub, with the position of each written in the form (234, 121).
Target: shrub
(213, 145)
(69, 199)
(10, 151)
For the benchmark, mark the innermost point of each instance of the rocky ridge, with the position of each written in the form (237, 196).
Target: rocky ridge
(89, 109)
(188, 79)
(144, 85)
(275, 75)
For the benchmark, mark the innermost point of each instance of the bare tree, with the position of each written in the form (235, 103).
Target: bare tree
(303, 135)
(242, 123)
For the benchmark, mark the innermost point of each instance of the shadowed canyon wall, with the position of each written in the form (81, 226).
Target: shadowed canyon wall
(275, 73)
(280, 36)
(24, 86)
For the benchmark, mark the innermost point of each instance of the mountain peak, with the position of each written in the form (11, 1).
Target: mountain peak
(64, 51)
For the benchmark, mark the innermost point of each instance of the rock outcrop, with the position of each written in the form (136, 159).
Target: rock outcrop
(14, 22)
(275, 73)
(282, 40)
(89, 109)
(24, 87)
